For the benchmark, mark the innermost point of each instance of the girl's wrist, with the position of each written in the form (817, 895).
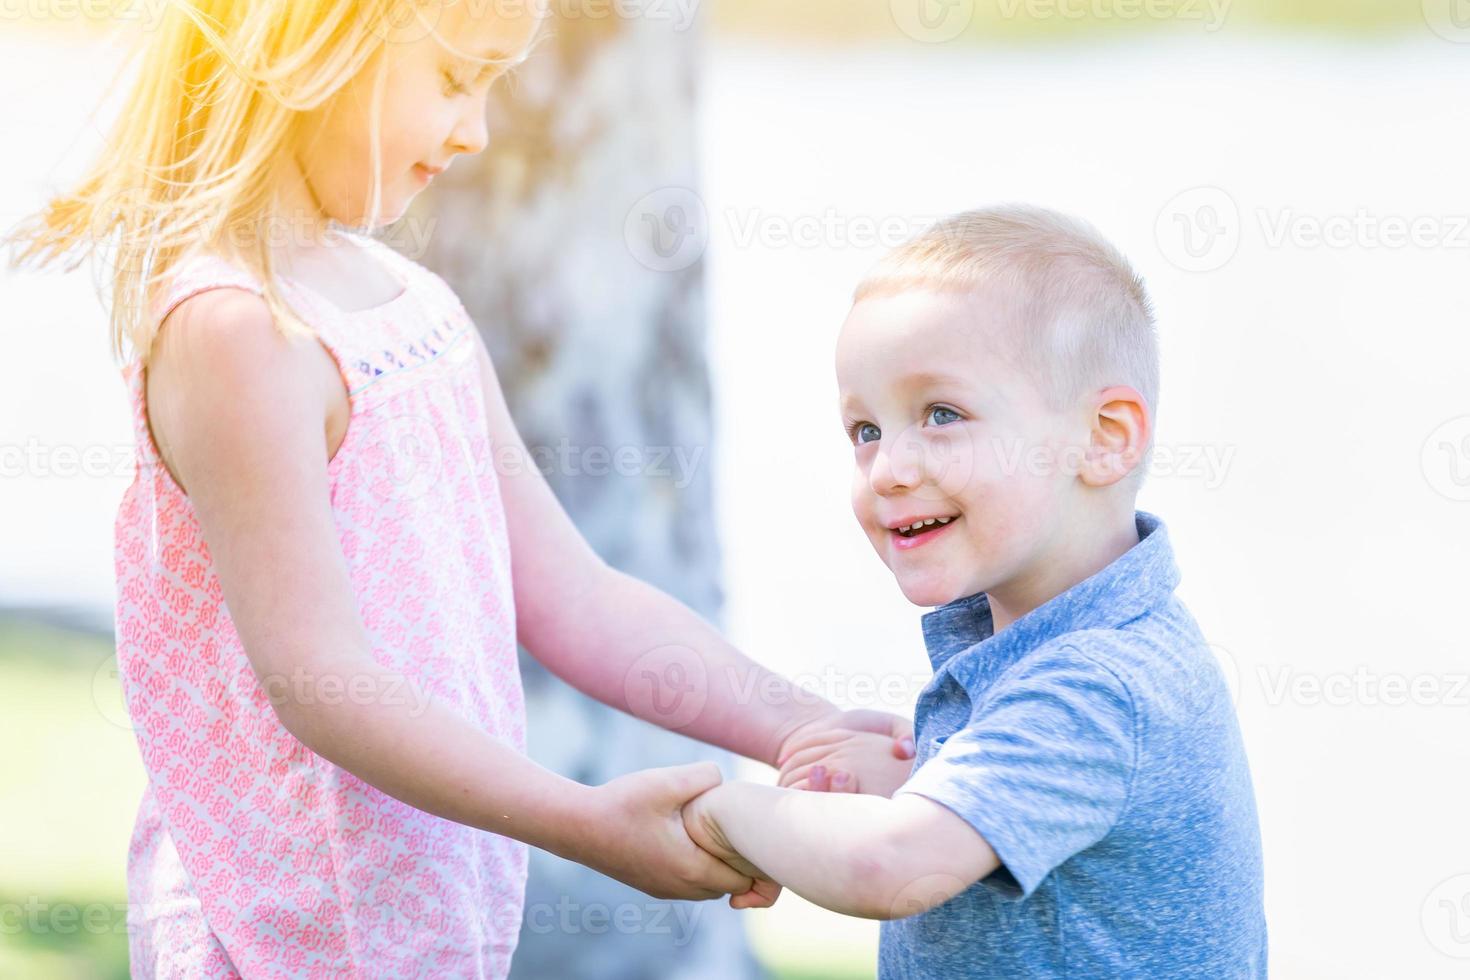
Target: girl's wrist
(570, 825)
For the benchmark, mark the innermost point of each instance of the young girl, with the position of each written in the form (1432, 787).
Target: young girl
(316, 625)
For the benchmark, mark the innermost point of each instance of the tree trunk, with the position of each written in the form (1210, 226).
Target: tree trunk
(575, 242)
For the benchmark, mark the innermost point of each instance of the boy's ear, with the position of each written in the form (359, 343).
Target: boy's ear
(1121, 430)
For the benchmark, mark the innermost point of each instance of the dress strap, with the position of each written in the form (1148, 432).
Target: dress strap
(197, 274)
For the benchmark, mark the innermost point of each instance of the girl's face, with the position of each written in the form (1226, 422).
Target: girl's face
(432, 109)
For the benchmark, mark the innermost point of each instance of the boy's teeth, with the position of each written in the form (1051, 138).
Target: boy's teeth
(924, 523)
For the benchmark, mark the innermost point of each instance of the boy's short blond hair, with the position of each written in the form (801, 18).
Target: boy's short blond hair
(1085, 318)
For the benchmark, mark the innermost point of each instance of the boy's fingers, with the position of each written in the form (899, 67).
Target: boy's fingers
(768, 892)
(762, 895)
(753, 900)
(788, 778)
(805, 757)
(794, 778)
(806, 740)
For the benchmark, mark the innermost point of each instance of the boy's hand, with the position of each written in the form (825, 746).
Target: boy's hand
(704, 829)
(836, 724)
(848, 762)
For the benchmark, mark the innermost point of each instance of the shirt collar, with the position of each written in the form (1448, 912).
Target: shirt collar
(1140, 579)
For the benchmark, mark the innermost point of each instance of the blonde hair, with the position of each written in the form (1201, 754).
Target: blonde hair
(194, 160)
(1084, 316)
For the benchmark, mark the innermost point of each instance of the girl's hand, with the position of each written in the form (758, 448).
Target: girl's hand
(848, 762)
(638, 836)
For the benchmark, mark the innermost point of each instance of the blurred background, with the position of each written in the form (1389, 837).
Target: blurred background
(659, 247)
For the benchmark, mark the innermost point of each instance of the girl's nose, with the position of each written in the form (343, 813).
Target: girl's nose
(471, 132)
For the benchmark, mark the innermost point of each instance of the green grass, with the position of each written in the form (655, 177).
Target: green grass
(71, 787)
(1001, 21)
(987, 21)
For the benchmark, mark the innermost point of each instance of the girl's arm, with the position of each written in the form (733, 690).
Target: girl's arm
(631, 646)
(860, 855)
(240, 413)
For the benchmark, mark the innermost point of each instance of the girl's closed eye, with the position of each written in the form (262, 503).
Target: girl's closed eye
(454, 84)
(465, 81)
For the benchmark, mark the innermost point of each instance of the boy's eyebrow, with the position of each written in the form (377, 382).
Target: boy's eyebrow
(915, 379)
(924, 379)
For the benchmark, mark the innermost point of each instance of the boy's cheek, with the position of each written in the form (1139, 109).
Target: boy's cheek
(864, 501)
(955, 460)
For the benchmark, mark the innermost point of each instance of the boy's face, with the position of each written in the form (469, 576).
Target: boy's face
(944, 426)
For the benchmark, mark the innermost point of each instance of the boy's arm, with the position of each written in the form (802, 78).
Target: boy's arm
(632, 646)
(1041, 771)
(859, 855)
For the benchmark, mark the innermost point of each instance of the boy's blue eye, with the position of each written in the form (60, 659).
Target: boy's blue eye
(940, 415)
(867, 432)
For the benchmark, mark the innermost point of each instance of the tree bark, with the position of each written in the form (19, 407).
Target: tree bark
(575, 241)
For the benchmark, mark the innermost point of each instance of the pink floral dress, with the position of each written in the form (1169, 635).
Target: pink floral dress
(251, 855)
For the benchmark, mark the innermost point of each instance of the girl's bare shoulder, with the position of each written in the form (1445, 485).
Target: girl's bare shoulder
(220, 374)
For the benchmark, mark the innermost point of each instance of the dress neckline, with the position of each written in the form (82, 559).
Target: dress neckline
(386, 267)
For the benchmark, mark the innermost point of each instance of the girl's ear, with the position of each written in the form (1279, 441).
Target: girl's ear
(1121, 431)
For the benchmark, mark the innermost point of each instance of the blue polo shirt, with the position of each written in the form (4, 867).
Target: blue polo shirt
(1094, 745)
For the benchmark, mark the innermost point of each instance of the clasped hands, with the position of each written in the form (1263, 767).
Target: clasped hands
(674, 854)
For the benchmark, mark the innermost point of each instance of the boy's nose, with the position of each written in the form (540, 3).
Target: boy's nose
(898, 466)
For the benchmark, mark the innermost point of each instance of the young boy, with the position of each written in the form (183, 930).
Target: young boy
(1080, 804)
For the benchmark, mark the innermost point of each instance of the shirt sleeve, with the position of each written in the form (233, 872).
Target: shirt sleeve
(1043, 767)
